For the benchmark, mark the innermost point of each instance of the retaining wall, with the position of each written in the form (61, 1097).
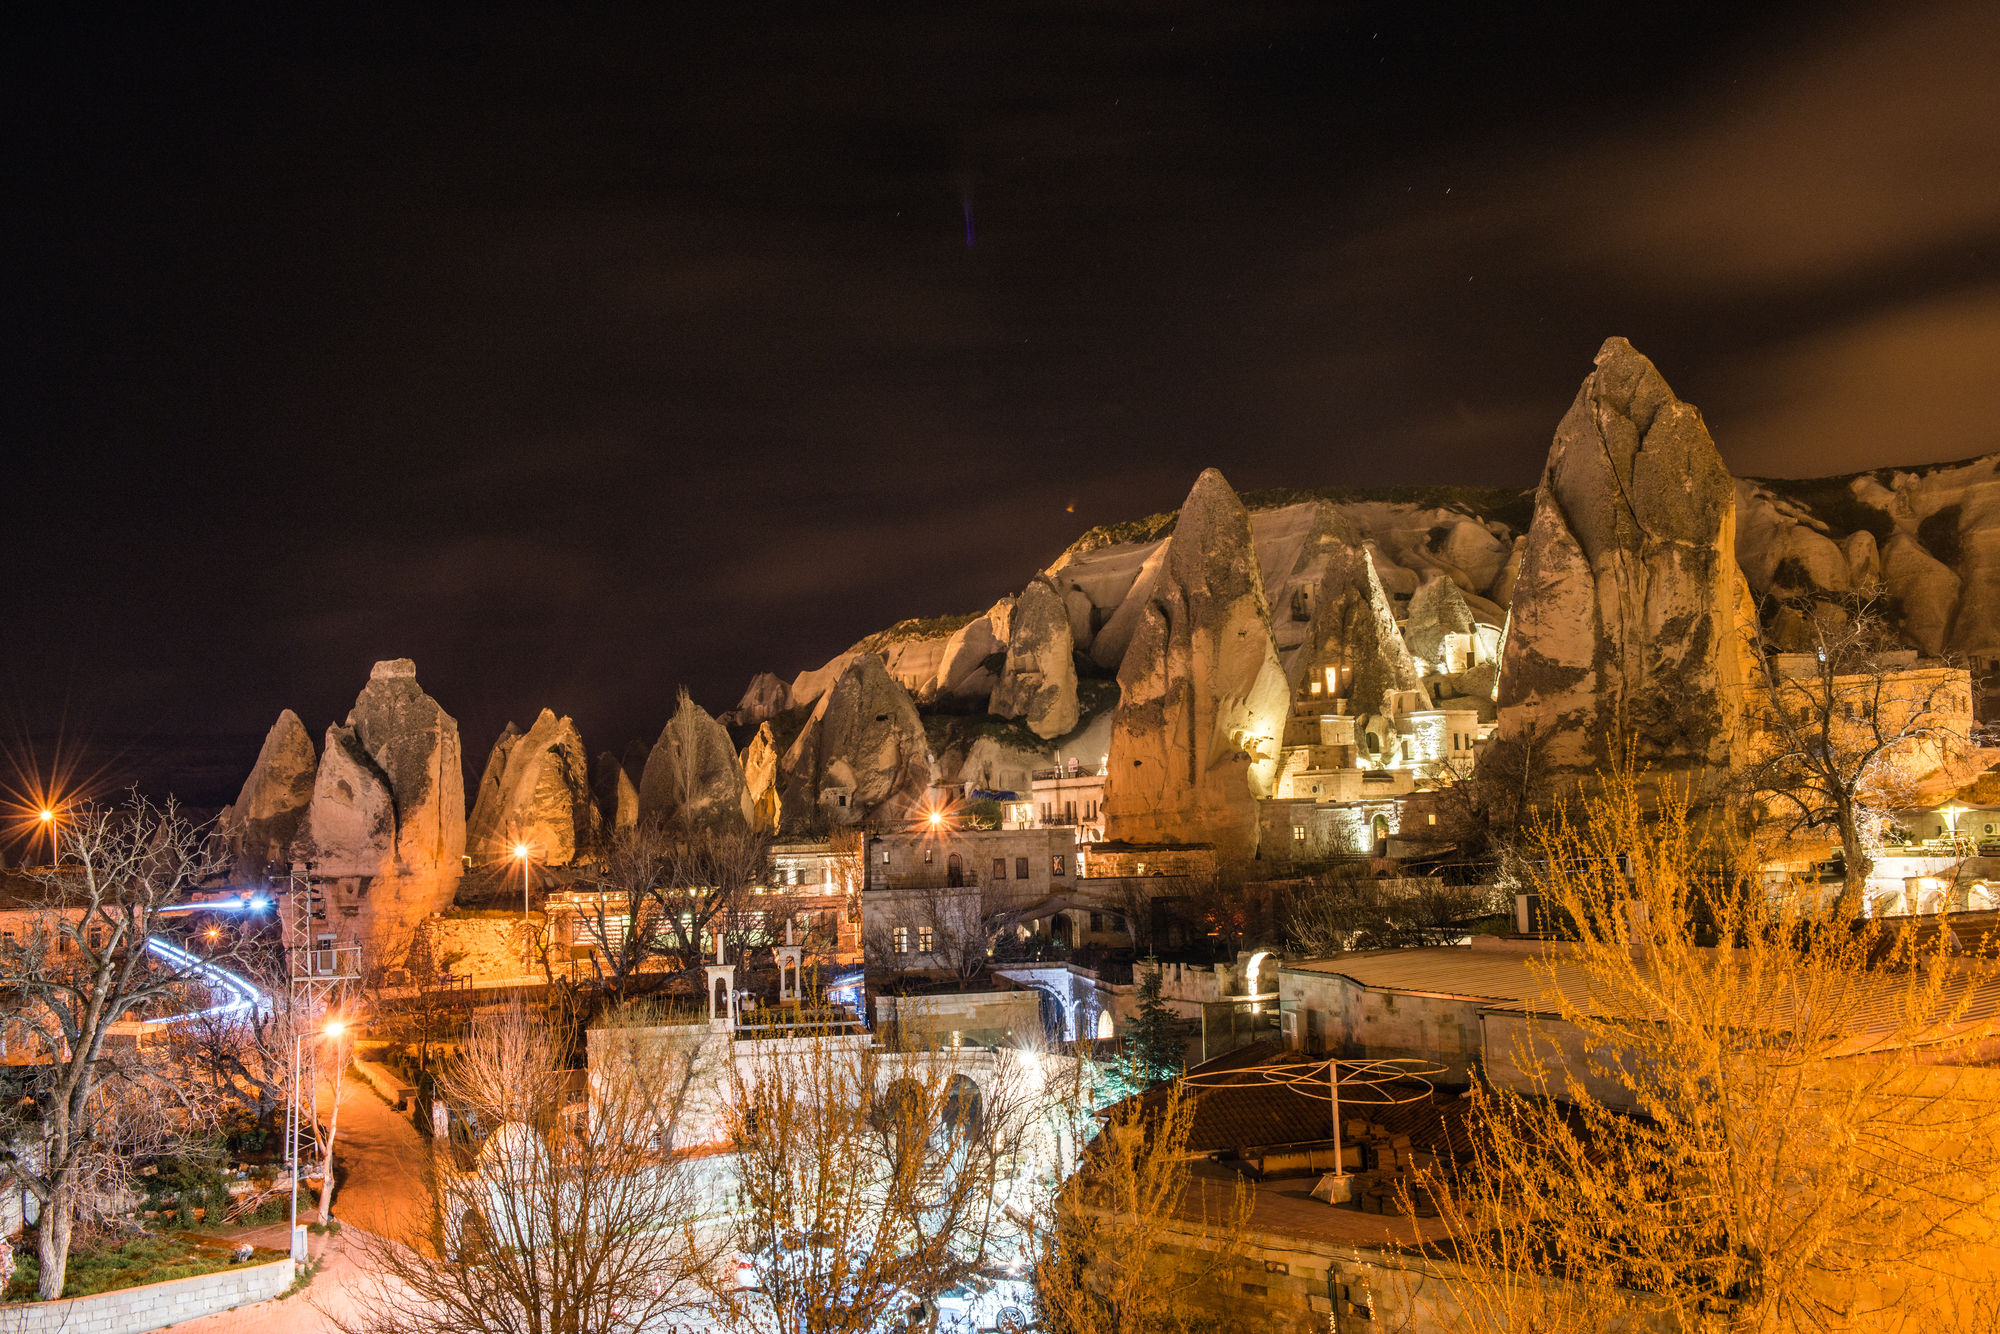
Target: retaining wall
(154, 1306)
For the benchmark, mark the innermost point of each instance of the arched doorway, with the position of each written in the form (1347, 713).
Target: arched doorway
(720, 1009)
(954, 871)
(1379, 832)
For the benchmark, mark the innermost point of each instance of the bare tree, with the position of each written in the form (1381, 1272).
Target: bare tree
(950, 929)
(1110, 1255)
(82, 971)
(1842, 729)
(566, 1218)
(1335, 913)
(870, 1180)
(707, 873)
(1727, 1115)
(623, 917)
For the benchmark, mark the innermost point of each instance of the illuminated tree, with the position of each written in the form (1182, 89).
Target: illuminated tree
(1112, 1255)
(870, 1179)
(1842, 728)
(1727, 1115)
(561, 1217)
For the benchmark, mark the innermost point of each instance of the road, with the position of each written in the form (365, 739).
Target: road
(381, 1155)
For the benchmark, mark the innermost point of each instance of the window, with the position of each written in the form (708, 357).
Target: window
(925, 938)
(885, 856)
(1020, 868)
(96, 937)
(1000, 866)
(900, 939)
(927, 855)
(1059, 865)
(1298, 833)
(1097, 921)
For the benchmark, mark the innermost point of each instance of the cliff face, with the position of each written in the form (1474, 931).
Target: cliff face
(1630, 618)
(1203, 699)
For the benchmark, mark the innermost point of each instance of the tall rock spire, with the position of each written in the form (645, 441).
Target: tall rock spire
(1630, 618)
(1202, 705)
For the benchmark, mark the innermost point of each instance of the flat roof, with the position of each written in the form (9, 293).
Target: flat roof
(1535, 977)
(1501, 977)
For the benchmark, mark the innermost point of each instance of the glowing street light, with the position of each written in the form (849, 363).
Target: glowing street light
(333, 1028)
(521, 854)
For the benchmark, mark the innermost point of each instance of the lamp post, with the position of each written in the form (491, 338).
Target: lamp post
(47, 817)
(521, 851)
(333, 1029)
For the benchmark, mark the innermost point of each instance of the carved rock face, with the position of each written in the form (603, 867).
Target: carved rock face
(693, 774)
(1203, 699)
(862, 752)
(536, 791)
(1630, 618)
(1038, 683)
(271, 808)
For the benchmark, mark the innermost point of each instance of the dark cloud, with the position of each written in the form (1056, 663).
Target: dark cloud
(582, 354)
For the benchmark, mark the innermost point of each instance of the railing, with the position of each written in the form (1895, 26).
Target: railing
(1080, 771)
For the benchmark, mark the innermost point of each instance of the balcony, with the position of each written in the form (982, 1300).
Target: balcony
(1078, 771)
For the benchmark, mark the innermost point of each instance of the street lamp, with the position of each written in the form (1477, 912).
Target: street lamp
(521, 851)
(332, 1029)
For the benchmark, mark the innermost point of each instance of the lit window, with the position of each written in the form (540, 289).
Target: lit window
(1059, 865)
(1298, 833)
(900, 938)
(924, 939)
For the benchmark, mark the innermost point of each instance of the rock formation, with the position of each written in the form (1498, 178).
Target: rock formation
(1038, 683)
(692, 774)
(541, 797)
(862, 752)
(1630, 618)
(1203, 699)
(415, 743)
(387, 815)
(1437, 609)
(765, 698)
(760, 781)
(268, 812)
(489, 798)
(351, 821)
(616, 788)
(963, 670)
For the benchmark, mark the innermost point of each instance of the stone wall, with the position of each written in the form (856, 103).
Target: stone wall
(485, 947)
(1194, 860)
(154, 1306)
(979, 1018)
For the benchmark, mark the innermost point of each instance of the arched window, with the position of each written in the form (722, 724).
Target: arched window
(954, 870)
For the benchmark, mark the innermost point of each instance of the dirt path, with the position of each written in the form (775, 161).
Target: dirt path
(382, 1156)
(380, 1153)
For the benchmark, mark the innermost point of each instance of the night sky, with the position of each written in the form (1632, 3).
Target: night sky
(583, 355)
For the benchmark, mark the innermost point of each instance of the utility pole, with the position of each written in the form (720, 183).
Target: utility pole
(316, 970)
